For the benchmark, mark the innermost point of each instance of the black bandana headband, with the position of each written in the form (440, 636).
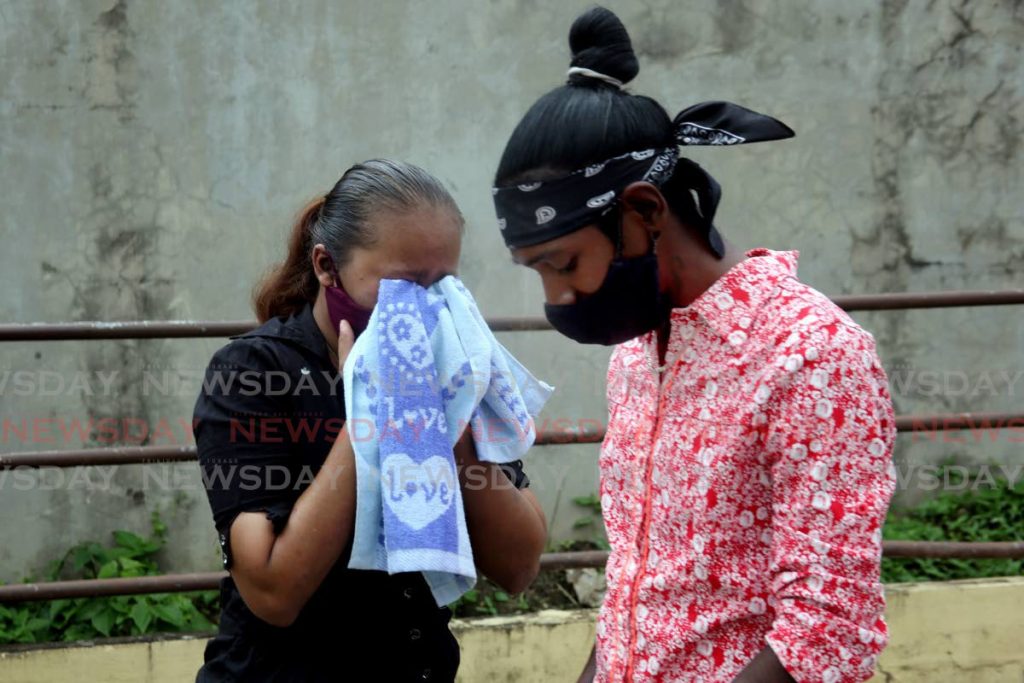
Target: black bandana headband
(537, 212)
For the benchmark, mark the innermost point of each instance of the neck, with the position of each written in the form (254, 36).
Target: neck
(691, 267)
(323, 323)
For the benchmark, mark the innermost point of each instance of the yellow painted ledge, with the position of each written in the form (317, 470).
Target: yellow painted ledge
(546, 647)
(960, 631)
(956, 631)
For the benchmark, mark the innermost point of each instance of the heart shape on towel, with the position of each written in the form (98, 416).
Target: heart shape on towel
(418, 492)
(406, 335)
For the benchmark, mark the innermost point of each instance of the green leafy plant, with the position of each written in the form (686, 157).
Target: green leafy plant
(976, 513)
(122, 615)
(591, 520)
(591, 503)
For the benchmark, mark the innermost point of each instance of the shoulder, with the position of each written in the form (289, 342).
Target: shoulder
(239, 371)
(814, 347)
(800, 319)
(271, 346)
(245, 353)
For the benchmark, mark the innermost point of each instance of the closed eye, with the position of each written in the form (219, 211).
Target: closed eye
(568, 267)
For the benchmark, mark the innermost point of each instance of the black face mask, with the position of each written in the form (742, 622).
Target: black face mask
(628, 303)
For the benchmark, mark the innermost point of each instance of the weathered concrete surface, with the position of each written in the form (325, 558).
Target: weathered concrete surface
(956, 632)
(152, 155)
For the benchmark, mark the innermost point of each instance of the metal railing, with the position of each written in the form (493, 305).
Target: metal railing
(181, 329)
(579, 559)
(137, 455)
(143, 455)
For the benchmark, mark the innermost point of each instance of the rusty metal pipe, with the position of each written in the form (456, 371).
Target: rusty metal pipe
(134, 329)
(951, 422)
(136, 455)
(88, 588)
(91, 457)
(172, 583)
(177, 329)
(579, 559)
(949, 299)
(955, 550)
(184, 329)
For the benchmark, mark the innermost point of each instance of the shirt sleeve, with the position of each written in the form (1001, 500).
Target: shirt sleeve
(242, 462)
(829, 439)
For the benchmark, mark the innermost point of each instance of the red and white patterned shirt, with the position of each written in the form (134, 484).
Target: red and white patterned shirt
(744, 493)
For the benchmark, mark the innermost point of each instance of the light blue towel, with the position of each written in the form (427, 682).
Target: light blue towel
(426, 366)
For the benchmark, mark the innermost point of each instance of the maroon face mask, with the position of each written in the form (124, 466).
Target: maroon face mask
(340, 306)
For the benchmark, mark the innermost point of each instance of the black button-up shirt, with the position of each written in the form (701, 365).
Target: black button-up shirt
(269, 410)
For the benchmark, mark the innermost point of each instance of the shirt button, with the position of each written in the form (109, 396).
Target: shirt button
(426, 674)
(408, 593)
(414, 634)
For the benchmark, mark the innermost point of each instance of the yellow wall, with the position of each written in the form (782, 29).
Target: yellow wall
(961, 632)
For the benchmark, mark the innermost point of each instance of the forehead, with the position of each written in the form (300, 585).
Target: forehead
(426, 236)
(584, 238)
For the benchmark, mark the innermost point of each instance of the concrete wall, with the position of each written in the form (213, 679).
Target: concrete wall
(957, 632)
(153, 153)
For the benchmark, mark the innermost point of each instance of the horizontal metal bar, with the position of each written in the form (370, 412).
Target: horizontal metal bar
(952, 422)
(555, 437)
(949, 299)
(176, 329)
(578, 559)
(182, 329)
(137, 329)
(177, 583)
(87, 588)
(91, 457)
(139, 455)
(955, 550)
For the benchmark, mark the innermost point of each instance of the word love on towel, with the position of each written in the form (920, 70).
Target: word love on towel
(416, 492)
(425, 369)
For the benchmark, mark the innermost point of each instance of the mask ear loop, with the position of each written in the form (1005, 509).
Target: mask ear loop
(333, 271)
(617, 239)
(613, 231)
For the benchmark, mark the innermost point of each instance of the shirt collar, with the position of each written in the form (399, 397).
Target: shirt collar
(731, 303)
(300, 328)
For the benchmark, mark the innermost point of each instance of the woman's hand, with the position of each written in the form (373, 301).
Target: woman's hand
(507, 527)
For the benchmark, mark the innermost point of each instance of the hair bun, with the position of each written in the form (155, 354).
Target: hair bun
(599, 42)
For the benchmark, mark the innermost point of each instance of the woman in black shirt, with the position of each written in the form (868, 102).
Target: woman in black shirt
(278, 463)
